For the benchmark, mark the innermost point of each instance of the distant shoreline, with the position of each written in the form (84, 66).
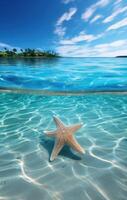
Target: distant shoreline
(121, 56)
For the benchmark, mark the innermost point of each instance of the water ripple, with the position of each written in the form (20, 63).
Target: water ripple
(25, 170)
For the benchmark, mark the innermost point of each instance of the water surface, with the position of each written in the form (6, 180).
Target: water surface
(65, 74)
(25, 170)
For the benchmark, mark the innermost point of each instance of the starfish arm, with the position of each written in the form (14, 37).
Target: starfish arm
(50, 133)
(56, 149)
(74, 128)
(58, 122)
(74, 144)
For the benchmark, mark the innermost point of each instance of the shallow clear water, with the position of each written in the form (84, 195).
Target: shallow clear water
(25, 170)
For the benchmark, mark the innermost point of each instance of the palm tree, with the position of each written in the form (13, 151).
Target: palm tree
(5, 48)
(14, 50)
(28, 53)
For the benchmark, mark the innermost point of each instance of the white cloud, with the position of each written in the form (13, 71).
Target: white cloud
(117, 2)
(8, 46)
(118, 24)
(95, 18)
(4, 45)
(67, 50)
(102, 3)
(102, 50)
(88, 13)
(80, 38)
(114, 14)
(67, 1)
(59, 29)
(91, 10)
(116, 44)
(112, 49)
(76, 51)
(66, 16)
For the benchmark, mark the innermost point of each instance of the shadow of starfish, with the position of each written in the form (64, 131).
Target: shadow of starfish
(66, 152)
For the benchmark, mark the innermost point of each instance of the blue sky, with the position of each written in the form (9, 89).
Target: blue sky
(70, 27)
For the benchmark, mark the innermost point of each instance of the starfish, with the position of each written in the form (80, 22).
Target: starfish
(64, 135)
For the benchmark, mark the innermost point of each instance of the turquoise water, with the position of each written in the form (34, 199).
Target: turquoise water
(25, 170)
(65, 74)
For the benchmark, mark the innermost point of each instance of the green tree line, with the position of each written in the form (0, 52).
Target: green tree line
(27, 53)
